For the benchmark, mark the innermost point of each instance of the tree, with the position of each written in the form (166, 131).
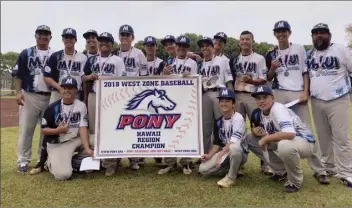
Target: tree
(349, 34)
(8, 62)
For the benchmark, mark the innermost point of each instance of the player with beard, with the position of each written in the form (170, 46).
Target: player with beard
(220, 40)
(215, 74)
(186, 66)
(32, 93)
(64, 63)
(249, 71)
(154, 63)
(328, 65)
(104, 64)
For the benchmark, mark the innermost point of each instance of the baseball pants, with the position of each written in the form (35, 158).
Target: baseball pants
(332, 123)
(171, 161)
(60, 156)
(55, 96)
(285, 157)
(32, 111)
(231, 165)
(210, 112)
(245, 104)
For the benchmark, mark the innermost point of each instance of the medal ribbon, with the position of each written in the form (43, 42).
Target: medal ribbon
(320, 63)
(101, 65)
(69, 67)
(65, 118)
(278, 54)
(45, 57)
(241, 61)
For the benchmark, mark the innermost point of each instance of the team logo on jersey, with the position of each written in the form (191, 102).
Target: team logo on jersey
(65, 65)
(151, 101)
(181, 69)
(73, 120)
(210, 71)
(152, 70)
(246, 67)
(108, 68)
(35, 65)
(327, 66)
(130, 63)
(289, 61)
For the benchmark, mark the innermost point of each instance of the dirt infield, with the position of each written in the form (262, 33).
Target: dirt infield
(9, 112)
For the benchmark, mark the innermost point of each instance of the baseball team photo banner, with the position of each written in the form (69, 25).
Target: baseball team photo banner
(149, 117)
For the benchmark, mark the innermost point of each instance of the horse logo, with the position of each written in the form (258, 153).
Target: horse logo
(151, 100)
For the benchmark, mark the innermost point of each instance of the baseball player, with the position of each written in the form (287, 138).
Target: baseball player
(92, 49)
(32, 93)
(328, 65)
(281, 139)
(230, 149)
(220, 39)
(104, 64)
(63, 63)
(136, 65)
(155, 64)
(249, 71)
(169, 43)
(181, 65)
(65, 127)
(215, 75)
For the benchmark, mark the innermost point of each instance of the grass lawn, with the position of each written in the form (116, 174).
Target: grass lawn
(145, 188)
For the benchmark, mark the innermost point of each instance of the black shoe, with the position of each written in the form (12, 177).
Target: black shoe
(323, 179)
(276, 177)
(199, 161)
(346, 182)
(289, 188)
(22, 168)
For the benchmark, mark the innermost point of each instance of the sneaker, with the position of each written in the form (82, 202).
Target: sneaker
(266, 169)
(110, 171)
(35, 171)
(134, 165)
(22, 168)
(347, 181)
(323, 179)
(240, 174)
(225, 182)
(187, 170)
(165, 170)
(290, 188)
(278, 177)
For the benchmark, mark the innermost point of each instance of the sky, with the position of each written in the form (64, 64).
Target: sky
(20, 19)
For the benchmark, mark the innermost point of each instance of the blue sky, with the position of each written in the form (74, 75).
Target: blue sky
(19, 19)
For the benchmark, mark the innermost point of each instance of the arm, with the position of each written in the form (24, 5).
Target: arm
(88, 72)
(271, 70)
(83, 130)
(51, 74)
(226, 74)
(262, 73)
(46, 125)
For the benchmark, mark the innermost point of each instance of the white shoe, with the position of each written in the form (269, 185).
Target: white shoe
(134, 166)
(225, 182)
(165, 170)
(266, 169)
(187, 170)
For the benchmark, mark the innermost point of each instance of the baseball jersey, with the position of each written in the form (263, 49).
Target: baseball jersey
(281, 119)
(135, 62)
(75, 115)
(61, 66)
(231, 130)
(154, 66)
(328, 72)
(104, 66)
(215, 73)
(89, 54)
(252, 65)
(180, 66)
(225, 57)
(30, 69)
(289, 75)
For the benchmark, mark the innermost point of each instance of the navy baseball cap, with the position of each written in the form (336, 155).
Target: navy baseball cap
(227, 93)
(149, 40)
(262, 90)
(221, 35)
(168, 38)
(69, 32)
(321, 27)
(89, 33)
(205, 40)
(282, 25)
(183, 40)
(43, 28)
(126, 29)
(69, 82)
(106, 36)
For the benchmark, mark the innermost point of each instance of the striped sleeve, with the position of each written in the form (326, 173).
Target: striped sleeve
(238, 129)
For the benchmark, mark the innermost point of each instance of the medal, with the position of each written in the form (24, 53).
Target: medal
(286, 73)
(209, 83)
(69, 67)
(66, 119)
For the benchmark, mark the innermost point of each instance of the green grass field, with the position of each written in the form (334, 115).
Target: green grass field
(145, 188)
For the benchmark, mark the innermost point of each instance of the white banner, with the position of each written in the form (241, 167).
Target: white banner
(149, 117)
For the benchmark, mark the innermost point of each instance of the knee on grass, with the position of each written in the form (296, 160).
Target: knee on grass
(62, 175)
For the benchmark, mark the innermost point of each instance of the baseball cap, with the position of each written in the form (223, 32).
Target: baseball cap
(262, 90)
(226, 93)
(106, 36)
(184, 40)
(149, 40)
(89, 33)
(126, 29)
(205, 40)
(68, 82)
(282, 25)
(168, 38)
(43, 28)
(221, 35)
(69, 32)
(320, 27)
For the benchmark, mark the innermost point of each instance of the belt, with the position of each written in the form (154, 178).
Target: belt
(43, 93)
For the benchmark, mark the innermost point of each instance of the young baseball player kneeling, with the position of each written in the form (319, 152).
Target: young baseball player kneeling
(282, 139)
(231, 130)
